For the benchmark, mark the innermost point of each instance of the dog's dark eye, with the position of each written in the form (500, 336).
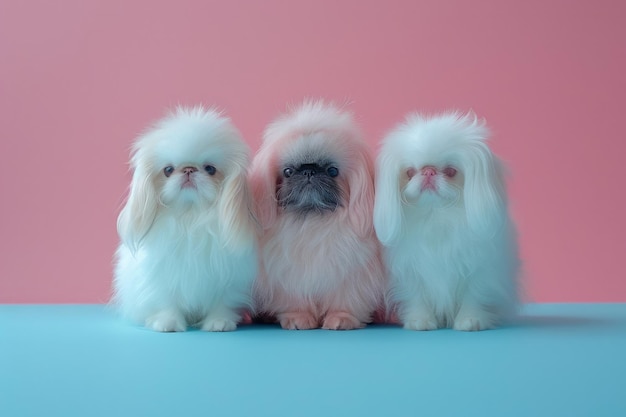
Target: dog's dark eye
(287, 172)
(210, 169)
(168, 170)
(332, 172)
(449, 172)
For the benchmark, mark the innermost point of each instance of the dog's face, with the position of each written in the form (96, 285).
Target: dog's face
(434, 163)
(434, 182)
(189, 175)
(187, 184)
(430, 158)
(313, 161)
(190, 165)
(310, 181)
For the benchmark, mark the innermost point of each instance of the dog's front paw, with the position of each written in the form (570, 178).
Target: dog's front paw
(420, 323)
(300, 320)
(166, 321)
(472, 323)
(341, 320)
(218, 325)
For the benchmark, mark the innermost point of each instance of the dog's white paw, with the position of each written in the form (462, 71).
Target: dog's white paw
(420, 323)
(218, 325)
(166, 321)
(472, 323)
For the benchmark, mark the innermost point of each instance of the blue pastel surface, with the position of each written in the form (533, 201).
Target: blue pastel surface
(81, 360)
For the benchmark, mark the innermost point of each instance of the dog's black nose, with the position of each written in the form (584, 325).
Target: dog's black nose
(308, 169)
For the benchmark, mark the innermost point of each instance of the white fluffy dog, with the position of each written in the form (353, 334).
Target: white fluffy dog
(188, 253)
(441, 214)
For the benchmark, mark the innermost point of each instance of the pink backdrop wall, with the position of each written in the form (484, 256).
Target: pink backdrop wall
(80, 78)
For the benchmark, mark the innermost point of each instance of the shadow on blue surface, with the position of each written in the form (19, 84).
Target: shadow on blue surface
(560, 321)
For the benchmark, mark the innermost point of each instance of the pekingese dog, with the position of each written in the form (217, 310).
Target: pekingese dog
(313, 184)
(188, 240)
(441, 214)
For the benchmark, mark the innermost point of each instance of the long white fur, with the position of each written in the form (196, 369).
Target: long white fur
(187, 257)
(318, 270)
(452, 257)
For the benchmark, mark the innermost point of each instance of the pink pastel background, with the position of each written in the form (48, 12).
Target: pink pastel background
(80, 78)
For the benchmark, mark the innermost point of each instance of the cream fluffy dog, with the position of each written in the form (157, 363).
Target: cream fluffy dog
(313, 185)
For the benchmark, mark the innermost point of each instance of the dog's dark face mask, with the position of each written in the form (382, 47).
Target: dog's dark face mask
(309, 187)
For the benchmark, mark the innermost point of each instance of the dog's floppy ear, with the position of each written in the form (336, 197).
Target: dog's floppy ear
(140, 209)
(234, 205)
(262, 179)
(484, 192)
(388, 216)
(361, 184)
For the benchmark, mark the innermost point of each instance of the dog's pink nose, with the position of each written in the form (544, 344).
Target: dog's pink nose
(429, 171)
(189, 170)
